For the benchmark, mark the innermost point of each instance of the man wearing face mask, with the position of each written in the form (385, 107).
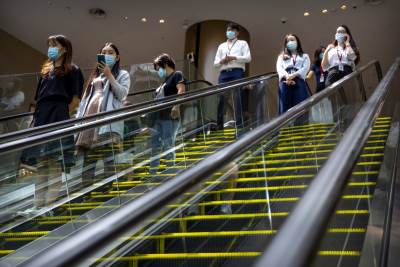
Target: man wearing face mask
(231, 59)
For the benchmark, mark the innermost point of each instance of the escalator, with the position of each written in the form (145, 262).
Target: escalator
(195, 139)
(237, 208)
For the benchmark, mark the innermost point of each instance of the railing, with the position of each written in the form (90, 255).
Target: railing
(80, 245)
(52, 132)
(62, 124)
(304, 227)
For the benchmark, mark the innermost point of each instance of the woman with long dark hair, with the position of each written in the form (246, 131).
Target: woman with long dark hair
(317, 71)
(292, 67)
(106, 90)
(57, 95)
(340, 57)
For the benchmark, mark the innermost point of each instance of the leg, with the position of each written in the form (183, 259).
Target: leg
(168, 137)
(88, 166)
(285, 96)
(221, 111)
(155, 147)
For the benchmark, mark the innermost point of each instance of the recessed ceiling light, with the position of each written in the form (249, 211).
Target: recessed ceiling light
(343, 7)
(161, 21)
(324, 11)
(306, 14)
(125, 17)
(143, 20)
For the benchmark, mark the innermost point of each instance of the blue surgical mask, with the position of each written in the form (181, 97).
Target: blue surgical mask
(291, 45)
(230, 35)
(162, 72)
(110, 60)
(340, 37)
(53, 53)
(321, 56)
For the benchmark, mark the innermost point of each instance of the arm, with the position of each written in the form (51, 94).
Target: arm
(351, 55)
(279, 68)
(246, 56)
(120, 88)
(74, 104)
(218, 58)
(310, 75)
(305, 68)
(175, 109)
(325, 59)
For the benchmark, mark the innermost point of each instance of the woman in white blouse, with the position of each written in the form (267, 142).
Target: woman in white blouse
(292, 67)
(340, 57)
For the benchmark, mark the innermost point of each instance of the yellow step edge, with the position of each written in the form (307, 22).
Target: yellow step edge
(212, 255)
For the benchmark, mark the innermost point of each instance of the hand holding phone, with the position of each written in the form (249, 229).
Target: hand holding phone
(101, 59)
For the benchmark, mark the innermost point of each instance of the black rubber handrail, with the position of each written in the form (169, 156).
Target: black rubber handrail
(66, 123)
(304, 228)
(187, 83)
(182, 98)
(24, 114)
(80, 245)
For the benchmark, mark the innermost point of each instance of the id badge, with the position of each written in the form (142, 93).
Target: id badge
(341, 67)
(322, 78)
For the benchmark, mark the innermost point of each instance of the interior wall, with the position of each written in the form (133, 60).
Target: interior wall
(17, 91)
(19, 57)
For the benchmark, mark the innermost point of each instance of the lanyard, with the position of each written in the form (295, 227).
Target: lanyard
(229, 49)
(294, 60)
(340, 55)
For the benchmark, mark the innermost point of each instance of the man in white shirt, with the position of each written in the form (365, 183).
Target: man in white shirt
(231, 59)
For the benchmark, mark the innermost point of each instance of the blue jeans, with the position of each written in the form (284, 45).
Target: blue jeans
(227, 76)
(290, 96)
(163, 139)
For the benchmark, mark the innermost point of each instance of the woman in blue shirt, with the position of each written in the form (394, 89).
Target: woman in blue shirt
(317, 71)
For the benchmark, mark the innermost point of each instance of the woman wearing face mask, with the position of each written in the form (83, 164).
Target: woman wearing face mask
(167, 120)
(317, 71)
(57, 95)
(341, 57)
(292, 67)
(106, 90)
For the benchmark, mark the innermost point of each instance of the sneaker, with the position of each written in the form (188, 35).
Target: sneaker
(226, 209)
(31, 212)
(28, 167)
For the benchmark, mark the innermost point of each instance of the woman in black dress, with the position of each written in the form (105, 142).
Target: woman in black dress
(57, 95)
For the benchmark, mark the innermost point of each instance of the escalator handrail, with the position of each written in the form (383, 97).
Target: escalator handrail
(154, 89)
(20, 115)
(122, 114)
(306, 224)
(66, 123)
(80, 245)
(24, 114)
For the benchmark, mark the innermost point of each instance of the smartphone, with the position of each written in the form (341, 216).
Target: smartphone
(101, 58)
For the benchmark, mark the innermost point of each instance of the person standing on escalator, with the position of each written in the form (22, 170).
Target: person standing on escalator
(292, 67)
(340, 57)
(231, 59)
(166, 121)
(106, 89)
(57, 96)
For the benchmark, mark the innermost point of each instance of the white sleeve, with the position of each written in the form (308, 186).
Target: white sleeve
(305, 67)
(246, 56)
(351, 55)
(282, 73)
(218, 57)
